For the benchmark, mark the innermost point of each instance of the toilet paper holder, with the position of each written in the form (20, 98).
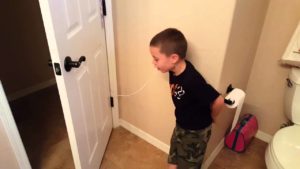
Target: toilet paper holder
(228, 101)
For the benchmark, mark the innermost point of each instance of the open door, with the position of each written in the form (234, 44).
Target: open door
(76, 39)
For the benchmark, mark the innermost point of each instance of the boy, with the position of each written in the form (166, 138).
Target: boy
(196, 103)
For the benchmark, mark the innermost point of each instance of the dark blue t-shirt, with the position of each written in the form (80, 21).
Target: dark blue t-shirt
(192, 98)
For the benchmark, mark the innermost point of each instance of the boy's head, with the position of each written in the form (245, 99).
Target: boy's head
(167, 48)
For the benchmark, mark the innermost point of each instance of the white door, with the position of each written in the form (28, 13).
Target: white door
(75, 29)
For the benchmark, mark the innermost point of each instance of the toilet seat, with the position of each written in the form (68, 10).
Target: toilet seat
(285, 147)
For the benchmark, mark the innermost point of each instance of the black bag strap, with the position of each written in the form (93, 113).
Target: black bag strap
(242, 124)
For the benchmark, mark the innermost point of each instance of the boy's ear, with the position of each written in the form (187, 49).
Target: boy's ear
(175, 57)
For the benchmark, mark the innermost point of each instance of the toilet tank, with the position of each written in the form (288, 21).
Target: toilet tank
(291, 55)
(292, 96)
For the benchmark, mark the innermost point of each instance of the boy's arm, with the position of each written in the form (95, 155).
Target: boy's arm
(216, 107)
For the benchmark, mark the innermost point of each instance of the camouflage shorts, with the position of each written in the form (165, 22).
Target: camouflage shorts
(188, 147)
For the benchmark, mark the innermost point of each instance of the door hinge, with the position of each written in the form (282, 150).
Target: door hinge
(103, 8)
(111, 102)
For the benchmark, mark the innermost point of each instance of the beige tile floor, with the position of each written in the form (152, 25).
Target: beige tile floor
(127, 151)
(252, 158)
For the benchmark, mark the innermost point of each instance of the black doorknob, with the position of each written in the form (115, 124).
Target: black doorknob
(69, 64)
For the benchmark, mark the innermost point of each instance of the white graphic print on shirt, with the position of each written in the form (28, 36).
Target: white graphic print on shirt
(177, 91)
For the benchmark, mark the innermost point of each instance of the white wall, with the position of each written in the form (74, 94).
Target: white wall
(223, 37)
(267, 82)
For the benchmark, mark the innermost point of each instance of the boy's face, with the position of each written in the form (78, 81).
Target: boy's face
(161, 61)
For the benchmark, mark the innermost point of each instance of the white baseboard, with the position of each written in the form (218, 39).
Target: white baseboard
(147, 137)
(164, 147)
(263, 136)
(213, 155)
(29, 90)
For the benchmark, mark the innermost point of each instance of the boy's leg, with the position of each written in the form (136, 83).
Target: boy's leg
(172, 158)
(192, 147)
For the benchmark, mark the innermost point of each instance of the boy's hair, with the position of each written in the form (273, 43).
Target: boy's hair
(170, 41)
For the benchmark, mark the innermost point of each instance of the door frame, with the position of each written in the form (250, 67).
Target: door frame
(110, 43)
(12, 131)
(10, 125)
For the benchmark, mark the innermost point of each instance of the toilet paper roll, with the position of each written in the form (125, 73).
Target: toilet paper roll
(238, 96)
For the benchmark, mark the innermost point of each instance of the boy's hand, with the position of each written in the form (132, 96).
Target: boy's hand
(216, 107)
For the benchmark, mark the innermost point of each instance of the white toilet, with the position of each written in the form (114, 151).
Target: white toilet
(283, 152)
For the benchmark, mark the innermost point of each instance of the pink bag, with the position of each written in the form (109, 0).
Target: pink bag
(239, 138)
